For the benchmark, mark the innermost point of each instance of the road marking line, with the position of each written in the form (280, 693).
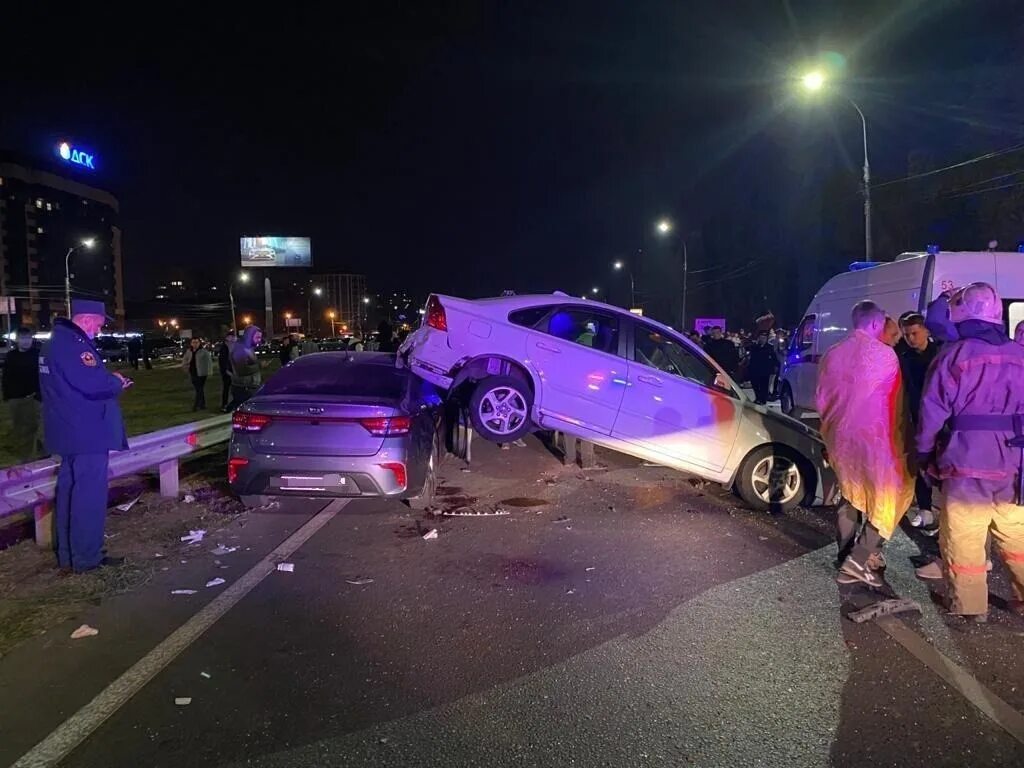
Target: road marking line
(959, 678)
(80, 725)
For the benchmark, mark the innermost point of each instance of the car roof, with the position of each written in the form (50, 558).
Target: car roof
(525, 301)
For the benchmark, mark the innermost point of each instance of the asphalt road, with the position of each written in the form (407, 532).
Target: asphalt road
(622, 617)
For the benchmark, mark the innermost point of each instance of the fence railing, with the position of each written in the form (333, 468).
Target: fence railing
(32, 486)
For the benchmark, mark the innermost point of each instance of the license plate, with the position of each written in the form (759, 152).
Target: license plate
(309, 481)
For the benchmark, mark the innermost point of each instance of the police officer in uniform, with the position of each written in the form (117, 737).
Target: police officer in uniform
(82, 423)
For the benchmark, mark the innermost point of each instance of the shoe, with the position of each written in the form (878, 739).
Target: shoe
(851, 569)
(914, 517)
(106, 562)
(932, 570)
(876, 561)
(930, 531)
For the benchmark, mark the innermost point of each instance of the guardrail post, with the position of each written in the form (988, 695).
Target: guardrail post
(169, 478)
(44, 523)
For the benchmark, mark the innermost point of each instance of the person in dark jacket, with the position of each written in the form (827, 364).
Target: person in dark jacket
(723, 351)
(224, 366)
(762, 364)
(199, 363)
(918, 354)
(134, 351)
(21, 393)
(246, 377)
(82, 423)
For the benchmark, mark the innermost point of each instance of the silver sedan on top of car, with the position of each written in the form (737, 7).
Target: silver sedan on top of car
(338, 424)
(618, 380)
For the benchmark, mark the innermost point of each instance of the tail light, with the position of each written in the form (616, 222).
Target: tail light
(249, 422)
(398, 470)
(387, 426)
(235, 464)
(436, 318)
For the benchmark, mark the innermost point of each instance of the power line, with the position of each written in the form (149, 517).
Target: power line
(978, 159)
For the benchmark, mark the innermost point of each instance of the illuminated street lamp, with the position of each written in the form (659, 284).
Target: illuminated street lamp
(331, 314)
(619, 266)
(664, 227)
(247, 320)
(87, 243)
(317, 291)
(243, 277)
(815, 81)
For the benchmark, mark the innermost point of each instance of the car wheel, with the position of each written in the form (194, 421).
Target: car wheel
(771, 480)
(500, 408)
(425, 499)
(786, 400)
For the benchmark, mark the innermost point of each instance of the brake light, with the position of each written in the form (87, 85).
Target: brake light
(249, 422)
(387, 426)
(398, 470)
(235, 464)
(436, 317)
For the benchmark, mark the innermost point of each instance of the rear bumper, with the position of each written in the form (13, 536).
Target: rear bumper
(318, 476)
(429, 356)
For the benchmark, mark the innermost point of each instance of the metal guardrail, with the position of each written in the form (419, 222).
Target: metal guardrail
(32, 486)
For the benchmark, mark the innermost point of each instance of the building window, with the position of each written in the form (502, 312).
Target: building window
(39, 202)
(40, 230)
(49, 206)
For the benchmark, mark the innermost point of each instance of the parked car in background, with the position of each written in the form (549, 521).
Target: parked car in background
(339, 424)
(618, 380)
(113, 349)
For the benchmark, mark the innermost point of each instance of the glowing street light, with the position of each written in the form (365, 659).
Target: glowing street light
(595, 291)
(664, 226)
(317, 291)
(247, 320)
(243, 277)
(813, 80)
(331, 314)
(86, 243)
(619, 266)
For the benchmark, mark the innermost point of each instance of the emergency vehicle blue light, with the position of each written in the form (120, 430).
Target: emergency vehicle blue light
(1020, 247)
(857, 266)
(932, 248)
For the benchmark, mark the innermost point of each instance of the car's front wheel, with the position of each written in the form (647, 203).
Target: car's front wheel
(770, 480)
(786, 400)
(500, 408)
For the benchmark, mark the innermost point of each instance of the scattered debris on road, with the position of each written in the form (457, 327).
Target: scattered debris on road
(431, 534)
(194, 537)
(189, 498)
(205, 674)
(222, 550)
(286, 567)
(84, 631)
(183, 591)
(562, 519)
(520, 443)
(591, 568)
(883, 608)
(358, 582)
(215, 582)
(128, 504)
(470, 512)
(183, 701)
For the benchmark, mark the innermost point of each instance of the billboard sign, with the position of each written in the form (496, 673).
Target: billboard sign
(276, 251)
(703, 325)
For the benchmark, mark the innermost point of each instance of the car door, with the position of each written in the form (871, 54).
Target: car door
(801, 368)
(579, 356)
(675, 403)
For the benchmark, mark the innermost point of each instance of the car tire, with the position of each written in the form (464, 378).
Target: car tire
(772, 479)
(499, 408)
(786, 400)
(425, 499)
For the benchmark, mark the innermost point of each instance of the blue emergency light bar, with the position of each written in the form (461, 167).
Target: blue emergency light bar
(932, 248)
(857, 266)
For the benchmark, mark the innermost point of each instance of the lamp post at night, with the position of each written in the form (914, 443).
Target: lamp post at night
(331, 314)
(814, 82)
(664, 228)
(86, 243)
(317, 291)
(243, 277)
(621, 265)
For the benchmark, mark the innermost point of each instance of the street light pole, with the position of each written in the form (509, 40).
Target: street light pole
(86, 243)
(867, 182)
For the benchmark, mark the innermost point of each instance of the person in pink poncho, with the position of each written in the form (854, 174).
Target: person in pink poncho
(860, 400)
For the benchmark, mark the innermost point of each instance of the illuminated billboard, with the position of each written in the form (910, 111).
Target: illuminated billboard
(276, 252)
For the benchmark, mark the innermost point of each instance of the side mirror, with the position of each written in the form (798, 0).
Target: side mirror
(721, 382)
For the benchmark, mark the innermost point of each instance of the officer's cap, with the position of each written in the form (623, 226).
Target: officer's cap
(89, 307)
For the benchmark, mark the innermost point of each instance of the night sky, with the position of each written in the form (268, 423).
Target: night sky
(472, 147)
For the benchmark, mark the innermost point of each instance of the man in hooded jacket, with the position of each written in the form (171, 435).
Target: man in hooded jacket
(245, 367)
(975, 388)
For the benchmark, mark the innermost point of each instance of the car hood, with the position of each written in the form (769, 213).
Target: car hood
(778, 424)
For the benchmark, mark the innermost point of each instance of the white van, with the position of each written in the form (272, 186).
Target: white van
(910, 282)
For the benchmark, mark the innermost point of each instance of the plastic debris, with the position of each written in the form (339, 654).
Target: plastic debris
(883, 608)
(358, 582)
(183, 701)
(128, 504)
(189, 498)
(591, 568)
(431, 534)
(571, 592)
(222, 550)
(205, 674)
(215, 582)
(84, 631)
(470, 512)
(562, 519)
(194, 537)
(183, 591)
(465, 469)
(158, 554)
(519, 443)
(286, 567)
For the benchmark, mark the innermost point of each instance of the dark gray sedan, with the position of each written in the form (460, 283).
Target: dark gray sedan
(338, 424)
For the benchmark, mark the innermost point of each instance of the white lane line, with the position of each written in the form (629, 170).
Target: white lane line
(80, 725)
(993, 707)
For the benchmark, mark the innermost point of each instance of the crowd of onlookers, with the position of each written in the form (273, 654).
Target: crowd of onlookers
(748, 356)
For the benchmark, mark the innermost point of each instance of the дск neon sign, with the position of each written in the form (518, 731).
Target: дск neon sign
(76, 156)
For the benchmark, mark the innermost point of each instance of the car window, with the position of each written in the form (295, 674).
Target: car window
(586, 327)
(529, 318)
(803, 338)
(656, 350)
(332, 374)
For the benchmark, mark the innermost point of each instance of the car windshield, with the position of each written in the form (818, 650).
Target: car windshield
(338, 374)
